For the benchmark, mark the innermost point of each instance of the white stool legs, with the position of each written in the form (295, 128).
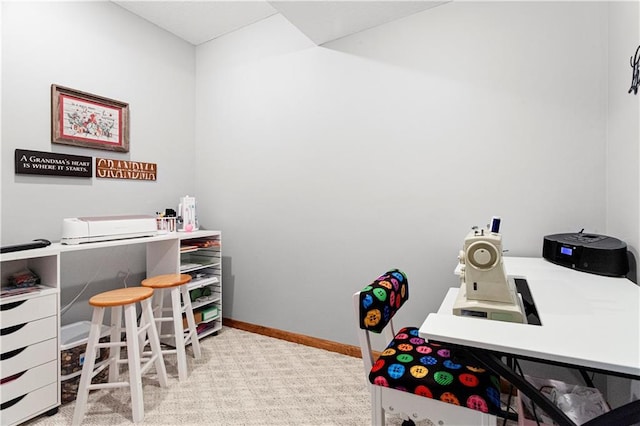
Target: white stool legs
(87, 368)
(137, 365)
(176, 329)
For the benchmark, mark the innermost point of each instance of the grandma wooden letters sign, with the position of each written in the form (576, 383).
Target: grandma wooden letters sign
(122, 169)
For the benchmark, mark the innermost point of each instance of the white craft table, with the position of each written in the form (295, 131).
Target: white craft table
(588, 321)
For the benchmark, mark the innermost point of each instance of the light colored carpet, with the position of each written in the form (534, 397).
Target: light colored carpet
(242, 379)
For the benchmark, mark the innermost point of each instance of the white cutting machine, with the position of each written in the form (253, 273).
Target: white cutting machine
(78, 230)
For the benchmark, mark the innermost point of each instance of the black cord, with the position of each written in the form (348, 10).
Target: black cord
(510, 409)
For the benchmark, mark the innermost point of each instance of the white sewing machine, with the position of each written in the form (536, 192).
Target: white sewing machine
(486, 291)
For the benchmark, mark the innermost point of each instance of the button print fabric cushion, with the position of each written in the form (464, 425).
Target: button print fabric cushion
(381, 299)
(414, 365)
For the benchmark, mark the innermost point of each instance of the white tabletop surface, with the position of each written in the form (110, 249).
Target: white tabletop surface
(57, 247)
(587, 320)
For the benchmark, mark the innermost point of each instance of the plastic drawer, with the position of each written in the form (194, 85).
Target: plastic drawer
(21, 335)
(29, 356)
(73, 343)
(28, 405)
(18, 312)
(28, 381)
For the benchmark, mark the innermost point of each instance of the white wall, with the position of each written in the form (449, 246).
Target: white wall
(324, 166)
(623, 151)
(623, 130)
(100, 48)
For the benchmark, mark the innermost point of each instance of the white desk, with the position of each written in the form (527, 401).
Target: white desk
(588, 321)
(30, 321)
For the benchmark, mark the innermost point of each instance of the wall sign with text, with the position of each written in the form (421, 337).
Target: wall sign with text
(48, 163)
(123, 169)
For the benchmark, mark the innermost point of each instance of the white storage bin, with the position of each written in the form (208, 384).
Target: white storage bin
(73, 343)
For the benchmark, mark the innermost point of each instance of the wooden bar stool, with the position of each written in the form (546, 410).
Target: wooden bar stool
(116, 300)
(176, 285)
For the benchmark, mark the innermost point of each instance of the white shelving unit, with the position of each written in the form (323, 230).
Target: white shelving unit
(199, 254)
(30, 365)
(201, 257)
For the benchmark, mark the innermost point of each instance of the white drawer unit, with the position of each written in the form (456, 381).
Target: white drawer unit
(29, 365)
(23, 408)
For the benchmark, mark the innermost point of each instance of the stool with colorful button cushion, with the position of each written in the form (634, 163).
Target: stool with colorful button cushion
(414, 377)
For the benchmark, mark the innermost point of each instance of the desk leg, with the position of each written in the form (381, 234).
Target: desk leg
(626, 415)
(586, 378)
(493, 363)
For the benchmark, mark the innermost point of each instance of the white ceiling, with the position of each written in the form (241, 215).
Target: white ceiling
(320, 20)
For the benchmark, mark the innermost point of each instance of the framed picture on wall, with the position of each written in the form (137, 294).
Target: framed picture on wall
(90, 121)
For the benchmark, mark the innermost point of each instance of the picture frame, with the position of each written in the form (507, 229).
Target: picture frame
(91, 121)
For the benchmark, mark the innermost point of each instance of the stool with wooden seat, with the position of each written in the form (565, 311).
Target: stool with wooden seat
(117, 300)
(176, 285)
